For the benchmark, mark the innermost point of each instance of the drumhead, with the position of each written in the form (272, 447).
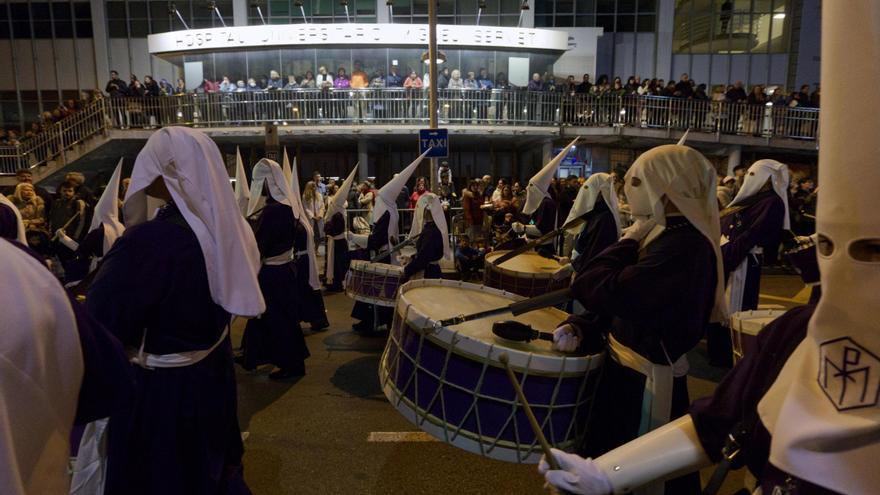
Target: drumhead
(380, 268)
(423, 303)
(530, 263)
(751, 322)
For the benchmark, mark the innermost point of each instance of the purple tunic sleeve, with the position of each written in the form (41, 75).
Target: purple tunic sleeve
(761, 224)
(428, 248)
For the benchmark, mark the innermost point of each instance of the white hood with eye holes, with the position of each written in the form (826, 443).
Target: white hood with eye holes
(759, 173)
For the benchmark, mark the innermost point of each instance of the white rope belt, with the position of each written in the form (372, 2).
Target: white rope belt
(281, 259)
(338, 237)
(174, 360)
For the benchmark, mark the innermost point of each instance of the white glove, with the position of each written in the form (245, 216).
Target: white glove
(518, 227)
(575, 474)
(360, 240)
(563, 272)
(565, 339)
(533, 231)
(639, 230)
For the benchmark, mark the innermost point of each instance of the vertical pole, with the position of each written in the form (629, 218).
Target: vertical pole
(432, 75)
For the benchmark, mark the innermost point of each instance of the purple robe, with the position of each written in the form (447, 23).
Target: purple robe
(740, 392)
(8, 223)
(429, 250)
(599, 232)
(341, 261)
(657, 303)
(182, 434)
(545, 219)
(276, 337)
(311, 301)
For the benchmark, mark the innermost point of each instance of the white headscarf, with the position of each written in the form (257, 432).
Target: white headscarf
(337, 202)
(300, 211)
(386, 197)
(539, 185)
(823, 410)
(242, 191)
(757, 176)
(20, 235)
(598, 184)
(687, 178)
(194, 173)
(107, 211)
(431, 201)
(41, 372)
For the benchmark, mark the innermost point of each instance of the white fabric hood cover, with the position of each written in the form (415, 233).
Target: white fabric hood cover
(20, 235)
(193, 171)
(598, 184)
(242, 191)
(757, 176)
(300, 213)
(430, 201)
(107, 211)
(687, 178)
(539, 184)
(41, 371)
(386, 198)
(823, 408)
(337, 202)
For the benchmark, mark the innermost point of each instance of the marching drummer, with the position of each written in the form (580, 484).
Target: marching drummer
(540, 208)
(275, 337)
(651, 293)
(810, 425)
(103, 232)
(337, 245)
(429, 224)
(751, 224)
(601, 226)
(383, 235)
(167, 289)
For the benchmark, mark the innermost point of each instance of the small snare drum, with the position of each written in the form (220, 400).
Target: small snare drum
(528, 274)
(373, 283)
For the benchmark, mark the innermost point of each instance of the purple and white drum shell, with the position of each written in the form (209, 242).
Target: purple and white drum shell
(528, 274)
(449, 382)
(373, 283)
(745, 327)
(805, 262)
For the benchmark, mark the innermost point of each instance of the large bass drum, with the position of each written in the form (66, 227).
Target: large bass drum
(528, 274)
(449, 382)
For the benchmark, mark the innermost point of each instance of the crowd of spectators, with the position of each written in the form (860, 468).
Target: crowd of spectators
(13, 136)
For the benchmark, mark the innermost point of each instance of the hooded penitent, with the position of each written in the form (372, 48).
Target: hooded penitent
(242, 191)
(300, 212)
(337, 202)
(196, 177)
(431, 202)
(386, 198)
(758, 174)
(107, 211)
(539, 184)
(597, 185)
(822, 410)
(684, 176)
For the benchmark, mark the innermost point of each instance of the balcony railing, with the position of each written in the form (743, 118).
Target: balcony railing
(389, 106)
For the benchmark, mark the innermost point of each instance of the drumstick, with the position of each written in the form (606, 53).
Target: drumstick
(539, 434)
(395, 249)
(538, 302)
(540, 240)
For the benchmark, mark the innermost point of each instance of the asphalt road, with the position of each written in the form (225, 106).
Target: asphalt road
(311, 435)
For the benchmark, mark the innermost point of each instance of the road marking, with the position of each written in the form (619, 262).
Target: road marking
(800, 298)
(399, 436)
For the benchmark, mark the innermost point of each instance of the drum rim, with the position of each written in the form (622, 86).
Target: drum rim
(376, 267)
(743, 320)
(515, 273)
(480, 351)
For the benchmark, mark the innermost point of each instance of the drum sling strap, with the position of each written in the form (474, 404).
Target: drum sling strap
(736, 439)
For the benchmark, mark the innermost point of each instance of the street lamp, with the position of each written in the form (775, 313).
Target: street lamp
(302, 10)
(172, 10)
(390, 4)
(480, 7)
(522, 10)
(213, 6)
(344, 3)
(256, 5)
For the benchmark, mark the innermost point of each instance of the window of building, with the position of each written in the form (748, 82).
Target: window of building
(464, 12)
(139, 18)
(731, 26)
(44, 19)
(611, 15)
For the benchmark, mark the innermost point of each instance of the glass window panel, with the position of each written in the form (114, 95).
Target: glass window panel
(605, 22)
(420, 7)
(626, 23)
(116, 10)
(158, 9)
(260, 63)
(511, 6)
(646, 23)
(420, 19)
(63, 29)
(585, 6)
(40, 11)
(368, 19)
(742, 5)
(21, 30)
(42, 29)
(585, 21)
(626, 6)
(200, 23)
(543, 7)
(508, 20)
(408, 59)
(334, 59)
(137, 10)
(543, 21)
(139, 28)
(297, 62)
(605, 6)
(20, 12)
(84, 29)
(160, 25)
(402, 7)
(646, 6)
(232, 65)
(564, 6)
(117, 30)
(4, 30)
(564, 21)
(61, 11)
(470, 20)
(446, 7)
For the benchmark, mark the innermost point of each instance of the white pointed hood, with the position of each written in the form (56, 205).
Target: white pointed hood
(687, 178)
(196, 177)
(337, 202)
(20, 235)
(386, 197)
(432, 203)
(268, 173)
(242, 191)
(758, 174)
(107, 211)
(823, 410)
(285, 167)
(539, 184)
(300, 212)
(597, 185)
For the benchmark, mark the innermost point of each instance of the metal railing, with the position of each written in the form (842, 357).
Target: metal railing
(316, 107)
